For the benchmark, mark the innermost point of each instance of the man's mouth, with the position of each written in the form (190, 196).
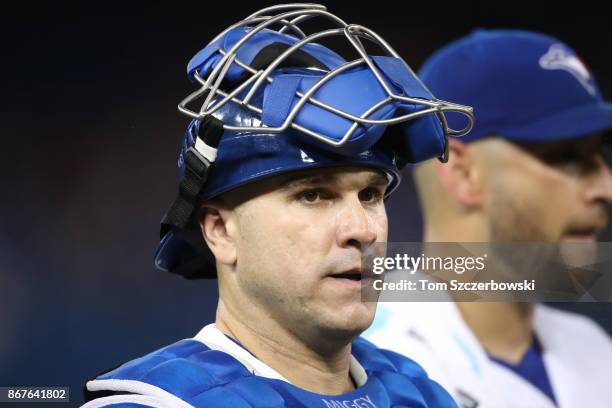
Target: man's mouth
(355, 276)
(581, 234)
(351, 276)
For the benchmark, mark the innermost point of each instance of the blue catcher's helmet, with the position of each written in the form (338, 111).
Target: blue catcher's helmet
(275, 102)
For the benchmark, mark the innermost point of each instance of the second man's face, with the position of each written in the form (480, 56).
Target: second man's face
(550, 192)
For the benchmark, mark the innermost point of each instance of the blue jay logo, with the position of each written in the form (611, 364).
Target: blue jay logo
(560, 56)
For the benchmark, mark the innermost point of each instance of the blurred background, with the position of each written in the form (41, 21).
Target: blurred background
(90, 134)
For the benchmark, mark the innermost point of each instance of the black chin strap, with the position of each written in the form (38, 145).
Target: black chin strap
(199, 159)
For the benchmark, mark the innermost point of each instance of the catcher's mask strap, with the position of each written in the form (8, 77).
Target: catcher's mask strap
(199, 160)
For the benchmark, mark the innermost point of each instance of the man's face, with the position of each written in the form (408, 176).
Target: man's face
(549, 192)
(299, 246)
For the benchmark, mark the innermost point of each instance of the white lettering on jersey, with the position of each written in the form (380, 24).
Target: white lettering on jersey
(363, 402)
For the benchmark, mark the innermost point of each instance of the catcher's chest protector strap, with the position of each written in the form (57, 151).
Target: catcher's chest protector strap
(189, 374)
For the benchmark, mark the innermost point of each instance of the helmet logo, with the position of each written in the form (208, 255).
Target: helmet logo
(559, 56)
(305, 157)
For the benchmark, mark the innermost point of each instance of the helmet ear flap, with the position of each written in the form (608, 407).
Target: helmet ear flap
(182, 249)
(188, 259)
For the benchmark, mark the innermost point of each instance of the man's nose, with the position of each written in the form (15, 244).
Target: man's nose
(355, 226)
(599, 183)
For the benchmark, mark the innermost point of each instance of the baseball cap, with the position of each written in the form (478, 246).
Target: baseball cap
(524, 86)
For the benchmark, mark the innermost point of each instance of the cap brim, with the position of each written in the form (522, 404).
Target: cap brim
(569, 124)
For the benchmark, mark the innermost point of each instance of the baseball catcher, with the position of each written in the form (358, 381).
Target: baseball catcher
(292, 148)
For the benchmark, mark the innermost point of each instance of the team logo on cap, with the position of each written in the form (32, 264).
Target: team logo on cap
(560, 56)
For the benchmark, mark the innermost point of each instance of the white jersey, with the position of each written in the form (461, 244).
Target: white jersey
(576, 352)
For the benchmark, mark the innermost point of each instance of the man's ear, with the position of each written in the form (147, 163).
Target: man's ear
(216, 227)
(461, 177)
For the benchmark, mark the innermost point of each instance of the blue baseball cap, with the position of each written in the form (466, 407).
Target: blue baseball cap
(524, 86)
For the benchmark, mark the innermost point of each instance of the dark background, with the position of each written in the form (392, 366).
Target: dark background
(90, 134)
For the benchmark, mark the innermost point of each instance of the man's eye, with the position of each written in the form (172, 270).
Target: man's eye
(556, 157)
(578, 157)
(370, 195)
(576, 163)
(310, 196)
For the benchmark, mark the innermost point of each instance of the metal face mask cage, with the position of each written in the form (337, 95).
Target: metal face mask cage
(289, 17)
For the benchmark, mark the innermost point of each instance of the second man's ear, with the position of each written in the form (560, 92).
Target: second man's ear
(461, 177)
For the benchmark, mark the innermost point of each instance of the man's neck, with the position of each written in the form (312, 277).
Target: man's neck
(278, 348)
(504, 329)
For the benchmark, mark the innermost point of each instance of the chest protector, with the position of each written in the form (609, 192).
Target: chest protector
(188, 373)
